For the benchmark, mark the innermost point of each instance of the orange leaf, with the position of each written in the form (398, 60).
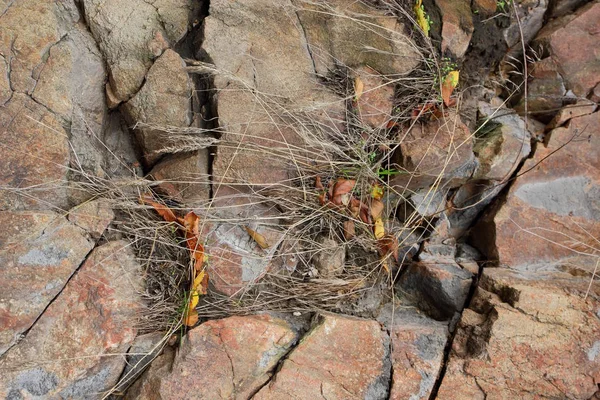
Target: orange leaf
(318, 183)
(388, 245)
(349, 229)
(258, 238)
(343, 186)
(376, 209)
(450, 82)
(191, 318)
(162, 210)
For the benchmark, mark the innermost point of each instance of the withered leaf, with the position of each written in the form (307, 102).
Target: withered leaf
(378, 228)
(258, 238)
(359, 86)
(376, 209)
(191, 318)
(162, 210)
(349, 229)
(450, 82)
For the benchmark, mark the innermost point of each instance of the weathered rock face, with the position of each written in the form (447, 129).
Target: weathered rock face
(553, 211)
(501, 147)
(39, 251)
(35, 157)
(330, 260)
(436, 283)
(579, 65)
(92, 216)
(376, 101)
(127, 34)
(418, 345)
(261, 144)
(235, 259)
(164, 100)
(185, 177)
(234, 357)
(527, 25)
(340, 358)
(147, 387)
(518, 340)
(457, 26)
(439, 147)
(97, 308)
(354, 34)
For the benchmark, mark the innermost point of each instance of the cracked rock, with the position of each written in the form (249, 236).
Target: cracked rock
(552, 212)
(39, 251)
(163, 101)
(125, 32)
(340, 358)
(517, 339)
(230, 358)
(73, 350)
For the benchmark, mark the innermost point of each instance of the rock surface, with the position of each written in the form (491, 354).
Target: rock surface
(164, 100)
(339, 358)
(235, 258)
(517, 340)
(439, 147)
(457, 26)
(227, 358)
(552, 212)
(40, 250)
(185, 177)
(96, 308)
(557, 39)
(125, 33)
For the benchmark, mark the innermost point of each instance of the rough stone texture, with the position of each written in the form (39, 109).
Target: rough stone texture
(185, 176)
(485, 7)
(28, 31)
(263, 62)
(5, 90)
(125, 32)
(39, 251)
(339, 358)
(144, 349)
(377, 99)
(442, 146)
(330, 259)
(147, 387)
(502, 147)
(35, 156)
(67, 353)
(580, 108)
(163, 101)
(418, 345)
(558, 8)
(546, 90)
(457, 26)
(92, 216)
(429, 202)
(580, 64)
(526, 337)
(354, 34)
(71, 85)
(235, 259)
(122, 161)
(552, 212)
(227, 358)
(530, 21)
(437, 284)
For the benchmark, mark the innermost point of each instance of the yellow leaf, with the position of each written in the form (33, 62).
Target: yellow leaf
(376, 209)
(377, 192)
(379, 229)
(359, 86)
(258, 238)
(199, 283)
(194, 299)
(422, 17)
